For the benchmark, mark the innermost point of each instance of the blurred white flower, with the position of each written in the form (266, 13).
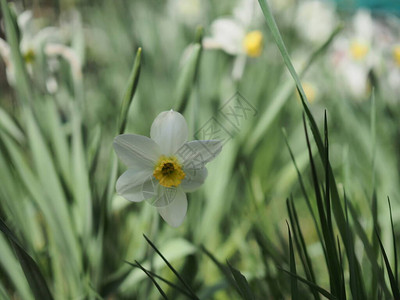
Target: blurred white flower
(391, 80)
(355, 56)
(187, 11)
(315, 20)
(34, 44)
(232, 35)
(161, 169)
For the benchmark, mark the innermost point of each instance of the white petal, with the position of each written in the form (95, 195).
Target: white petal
(130, 184)
(195, 154)
(229, 35)
(136, 151)
(175, 213)
(170, 131)
(194, 179)
(161, 196)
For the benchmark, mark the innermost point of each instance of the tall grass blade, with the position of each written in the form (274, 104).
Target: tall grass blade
(188, 77)
(162, 279)
(23, 87)
(396, 274)
(337, 209)
(31, 269)
(312, 285)
(189, 289)
(330, 245)
(153, 280)
(293, 281)
(130, 92)
(244, 287)
(224, 270)
(392, 280)
(301, 245)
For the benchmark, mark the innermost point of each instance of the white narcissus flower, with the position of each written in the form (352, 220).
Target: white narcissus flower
(315, 20)
(36, 42)
(232, 35)
(355, 54)
(161, 169)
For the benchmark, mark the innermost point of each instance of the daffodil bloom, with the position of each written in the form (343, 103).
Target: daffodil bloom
(231, 36)
(315, 20)
(161, 169)
(355, 54)
(39, 46)
(234, 36)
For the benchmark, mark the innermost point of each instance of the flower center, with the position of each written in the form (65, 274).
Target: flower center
(396, 54)
(29, 56)
(168, 171)
(252, 43)
(310, 91)
(358, 50)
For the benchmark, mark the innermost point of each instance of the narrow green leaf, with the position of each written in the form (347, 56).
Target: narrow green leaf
(31, 270)
(369, 251)
(188, 77)
(352, 259)
(224, 270)
(282, 96)
(319, 289)
(163, 280)
(396, 275)
(293, 281)
(23, 87)
(8, 125)
(153, 280)
(301, 245)
(189, 289)
(337, 209)
(244, 287)
(332, 256)
(130, 92)
(304, 191)
(392, 280)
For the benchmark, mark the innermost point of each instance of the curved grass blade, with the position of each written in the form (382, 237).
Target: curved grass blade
(319, 289)
(31, 269)
(369, 251)
(189, 289)
(188, 77)
(303, 189)
(336, 205)
(356, 284)
(301, 245)
(153, 280)
(393, 284)
(23, 87)
(243, 285)
(222, 268)
(293, 281)
(330, 245)
(162, 279)
(130, 92)
(396, 275)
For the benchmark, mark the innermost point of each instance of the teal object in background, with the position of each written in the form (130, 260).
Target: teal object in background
(376, 5)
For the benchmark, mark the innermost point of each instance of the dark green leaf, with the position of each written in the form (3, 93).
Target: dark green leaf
(31, 270)
(244, 287)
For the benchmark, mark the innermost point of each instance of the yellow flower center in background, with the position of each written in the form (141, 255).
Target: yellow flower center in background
(396, 54)
(168, 171)
(253, 42)
(29, 56)
(309, 90)
(358, 50)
